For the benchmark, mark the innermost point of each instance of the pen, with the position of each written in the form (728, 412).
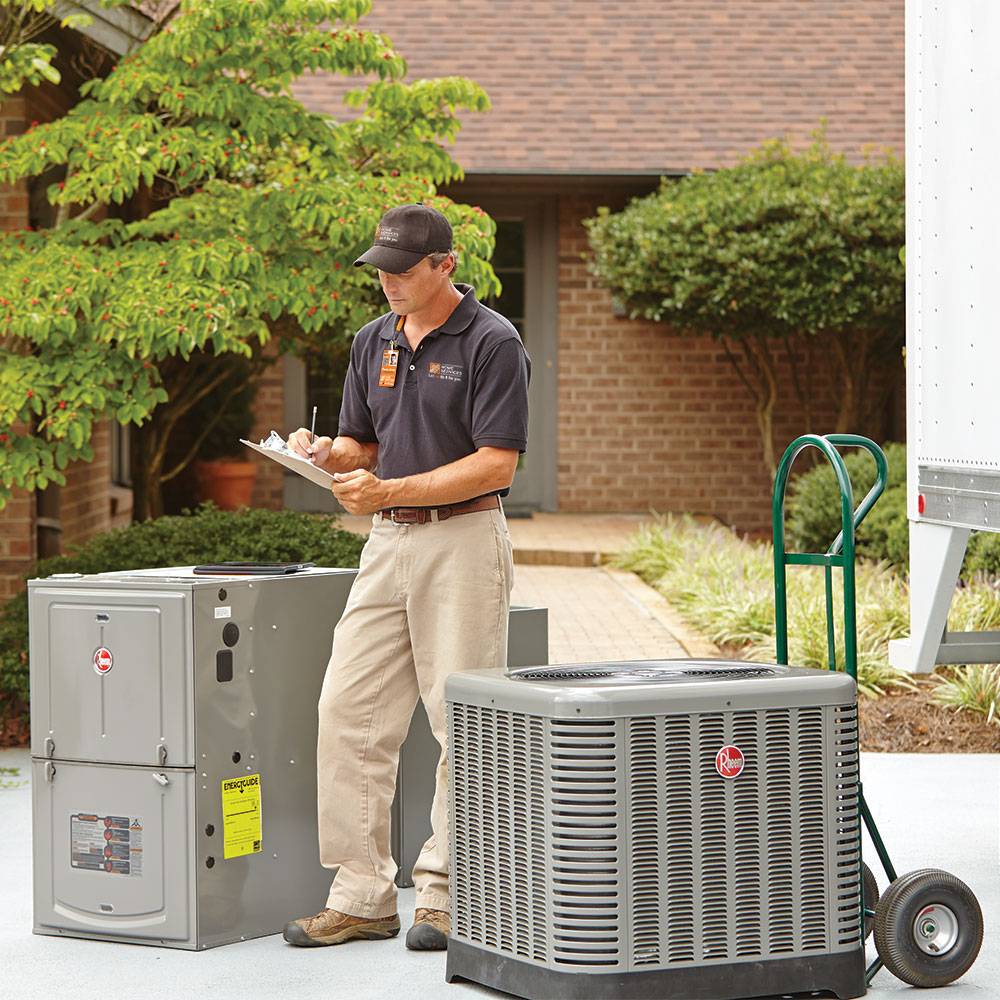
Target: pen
(312, 429)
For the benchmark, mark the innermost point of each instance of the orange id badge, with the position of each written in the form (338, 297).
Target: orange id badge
(387, 376)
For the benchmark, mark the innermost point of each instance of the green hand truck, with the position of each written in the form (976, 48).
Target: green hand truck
(928, 925)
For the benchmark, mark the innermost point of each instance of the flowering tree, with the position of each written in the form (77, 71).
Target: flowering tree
(24, 59)
(201, 208)
(785, 253)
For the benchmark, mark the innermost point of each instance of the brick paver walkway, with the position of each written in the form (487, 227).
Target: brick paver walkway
(595, 612)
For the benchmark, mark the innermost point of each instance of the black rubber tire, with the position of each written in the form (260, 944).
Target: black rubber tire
(869, 897)
(895, 936)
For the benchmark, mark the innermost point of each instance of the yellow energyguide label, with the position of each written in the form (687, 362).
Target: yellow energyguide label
(241, 816)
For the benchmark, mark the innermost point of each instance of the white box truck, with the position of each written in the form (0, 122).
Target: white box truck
(952, 314)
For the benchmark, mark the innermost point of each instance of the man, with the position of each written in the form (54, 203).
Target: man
(433, 419)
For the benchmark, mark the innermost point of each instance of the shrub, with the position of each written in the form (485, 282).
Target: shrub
(785, 250)
(813, 507)
(973, 688)
(723, 585)
(207, 535)
(982, 557)
(813, 515)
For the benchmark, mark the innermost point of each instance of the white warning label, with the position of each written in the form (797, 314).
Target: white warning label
(110, 844)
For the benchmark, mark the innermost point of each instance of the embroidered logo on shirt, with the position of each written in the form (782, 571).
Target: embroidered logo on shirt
(450, 373)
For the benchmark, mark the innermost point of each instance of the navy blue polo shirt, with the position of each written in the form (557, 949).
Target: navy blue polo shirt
(465, 387)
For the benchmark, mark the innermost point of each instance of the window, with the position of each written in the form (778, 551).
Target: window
(121, 453)
(508, 262)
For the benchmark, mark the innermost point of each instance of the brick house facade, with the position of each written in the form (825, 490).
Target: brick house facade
(591, 104)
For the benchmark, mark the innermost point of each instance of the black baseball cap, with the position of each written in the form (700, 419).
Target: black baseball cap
(405, 236)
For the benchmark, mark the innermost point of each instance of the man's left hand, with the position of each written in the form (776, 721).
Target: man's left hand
(359, 492)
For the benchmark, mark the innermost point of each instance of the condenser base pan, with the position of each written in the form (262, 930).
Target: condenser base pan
(842, 974)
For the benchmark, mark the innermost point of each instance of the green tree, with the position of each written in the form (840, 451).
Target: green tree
(785, 253)
(23, 60)
(202, 208)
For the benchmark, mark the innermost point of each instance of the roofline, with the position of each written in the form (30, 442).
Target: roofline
(528, 183)
(117, 29)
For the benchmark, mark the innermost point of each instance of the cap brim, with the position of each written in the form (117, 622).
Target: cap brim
(393, 260)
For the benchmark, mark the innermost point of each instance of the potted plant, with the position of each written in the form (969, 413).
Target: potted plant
(224, 473)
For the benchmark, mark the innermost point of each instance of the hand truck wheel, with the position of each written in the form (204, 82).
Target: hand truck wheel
(928, 928)
(869, 897)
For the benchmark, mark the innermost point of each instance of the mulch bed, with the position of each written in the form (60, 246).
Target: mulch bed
(14, 732)
(904, 721)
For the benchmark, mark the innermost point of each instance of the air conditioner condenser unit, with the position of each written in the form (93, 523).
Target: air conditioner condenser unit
(656, 828)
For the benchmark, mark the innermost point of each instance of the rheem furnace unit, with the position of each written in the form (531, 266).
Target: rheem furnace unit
(174, 758)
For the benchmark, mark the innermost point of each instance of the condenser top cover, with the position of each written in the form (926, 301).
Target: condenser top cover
(645, 671)
(627, 687)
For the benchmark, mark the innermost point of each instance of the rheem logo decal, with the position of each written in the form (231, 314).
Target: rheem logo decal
(729, 761)
(103, 660)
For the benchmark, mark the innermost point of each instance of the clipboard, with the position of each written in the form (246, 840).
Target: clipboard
(300, 465)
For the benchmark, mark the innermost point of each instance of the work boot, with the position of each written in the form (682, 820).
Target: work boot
(334, 927)
(430, 930)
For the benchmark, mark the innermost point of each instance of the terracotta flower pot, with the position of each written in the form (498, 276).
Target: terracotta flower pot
(226, 482)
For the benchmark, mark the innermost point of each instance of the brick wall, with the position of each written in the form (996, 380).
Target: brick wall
(84, 504)
(17, 519)
(17, 542)
(269, 414)
(84, 510)
(652, 420)
(13, 198)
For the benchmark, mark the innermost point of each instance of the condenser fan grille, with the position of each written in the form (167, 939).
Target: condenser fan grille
(644, 673)
(560, 673)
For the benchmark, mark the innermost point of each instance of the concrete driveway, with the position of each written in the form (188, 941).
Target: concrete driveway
(938, 811)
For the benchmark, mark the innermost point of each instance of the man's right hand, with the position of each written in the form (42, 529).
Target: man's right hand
(318, 451)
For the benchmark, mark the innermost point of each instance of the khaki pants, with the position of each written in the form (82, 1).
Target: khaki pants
(429, 599)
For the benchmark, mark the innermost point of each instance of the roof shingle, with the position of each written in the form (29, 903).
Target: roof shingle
(650, 86)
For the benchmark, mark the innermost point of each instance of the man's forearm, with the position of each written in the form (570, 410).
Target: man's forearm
(485, 471)
(347, 454)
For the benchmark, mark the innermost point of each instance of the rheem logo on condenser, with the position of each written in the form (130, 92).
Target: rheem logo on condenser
(729, 761)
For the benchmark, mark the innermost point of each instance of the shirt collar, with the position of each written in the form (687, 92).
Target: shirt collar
(460, 319)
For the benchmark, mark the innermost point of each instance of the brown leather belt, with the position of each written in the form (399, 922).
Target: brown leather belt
(421, 515)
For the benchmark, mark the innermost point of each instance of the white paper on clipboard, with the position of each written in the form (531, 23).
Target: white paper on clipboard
(300, 465)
